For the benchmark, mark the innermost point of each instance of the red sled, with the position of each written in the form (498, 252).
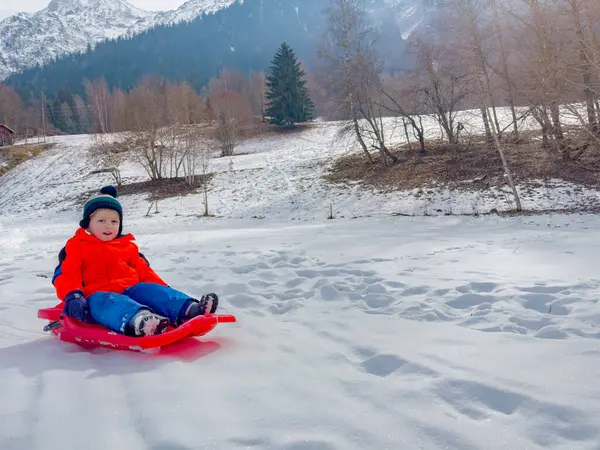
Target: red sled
(71, 330)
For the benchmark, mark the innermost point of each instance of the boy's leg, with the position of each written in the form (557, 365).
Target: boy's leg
(114, 311)
(163, 300)
(122, 314)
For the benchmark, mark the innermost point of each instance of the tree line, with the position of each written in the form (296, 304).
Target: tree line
(534, 57)
(106, 110)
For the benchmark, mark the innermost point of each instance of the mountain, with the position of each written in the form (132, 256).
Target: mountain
(68, 26)
(243, 35)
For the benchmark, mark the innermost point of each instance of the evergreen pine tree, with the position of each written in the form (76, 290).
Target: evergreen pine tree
(287, 97)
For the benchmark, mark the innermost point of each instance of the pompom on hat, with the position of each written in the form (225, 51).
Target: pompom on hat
(106, 200)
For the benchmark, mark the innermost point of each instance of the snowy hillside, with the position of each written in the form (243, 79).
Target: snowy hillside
(272, 177)
(374, 332)
(67, 26)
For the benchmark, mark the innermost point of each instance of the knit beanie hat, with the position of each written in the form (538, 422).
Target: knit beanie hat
(108, 200)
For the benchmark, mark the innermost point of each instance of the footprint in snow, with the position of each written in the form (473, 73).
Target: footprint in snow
(482, 286)
(543, 289)
(538, 302)
(395, 284)
(308, 444)
(235, 288)
(417, 290)
(466, 301)
(244, 301)
(294, 282)
(280, 308)
(378, 300)
(168, 446)
(331, 292)
(5, 279)
(260, 284)
(384, 365)
(241, 270)
(551, 332)
(249, 442)
(476, 400)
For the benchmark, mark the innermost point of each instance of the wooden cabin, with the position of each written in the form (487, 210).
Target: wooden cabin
(7, 136)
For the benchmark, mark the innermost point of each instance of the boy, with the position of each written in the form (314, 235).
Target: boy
(102, 276)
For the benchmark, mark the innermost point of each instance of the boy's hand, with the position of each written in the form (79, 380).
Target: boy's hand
(76, 306)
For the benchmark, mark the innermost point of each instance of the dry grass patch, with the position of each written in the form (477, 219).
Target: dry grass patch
(156, 189)
(476, 166)
(11, 157)
(165, 188)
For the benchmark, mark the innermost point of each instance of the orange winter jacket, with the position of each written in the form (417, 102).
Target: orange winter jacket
(92, 265)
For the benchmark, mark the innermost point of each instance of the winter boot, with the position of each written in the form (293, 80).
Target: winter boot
(146, 323)
(206, 305)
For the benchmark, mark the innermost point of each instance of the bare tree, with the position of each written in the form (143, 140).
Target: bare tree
(586, 60)
(444, 84)
(578, 22)
(352, 79)
(31, 123)
(540, 58)
(316, 91)
(182, 104)
(255, 94)
(98, 97)
(11, 107)
(117, 111)
(406, 100)
(108, 153)
(193, 105)
(209, 112)
(232, 115)
(228, 80)
(504, 70)
(173, 142)
(192, 142)
(466, 22)
(147, 133)
(203, 157)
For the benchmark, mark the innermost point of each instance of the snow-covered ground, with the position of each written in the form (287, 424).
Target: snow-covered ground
(373, 332)
(393, 333)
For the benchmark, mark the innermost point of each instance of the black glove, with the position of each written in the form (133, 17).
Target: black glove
(76, 306)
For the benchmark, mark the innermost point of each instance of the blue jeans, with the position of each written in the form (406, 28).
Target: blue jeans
(114, 311)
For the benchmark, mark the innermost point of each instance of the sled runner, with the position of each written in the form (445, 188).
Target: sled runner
(71, 330)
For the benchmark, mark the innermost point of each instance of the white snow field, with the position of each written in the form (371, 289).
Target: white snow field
(364, 332)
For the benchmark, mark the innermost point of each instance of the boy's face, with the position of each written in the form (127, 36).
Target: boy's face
(104, 224)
